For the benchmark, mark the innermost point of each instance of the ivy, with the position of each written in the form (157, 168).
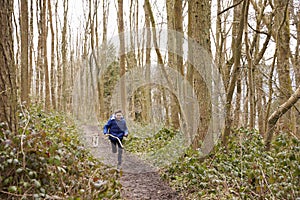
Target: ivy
(47, 160)
(245, 171)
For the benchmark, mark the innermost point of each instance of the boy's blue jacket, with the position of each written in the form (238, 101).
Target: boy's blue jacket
(116, 128)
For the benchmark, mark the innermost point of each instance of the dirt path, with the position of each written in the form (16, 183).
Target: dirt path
(139, 180)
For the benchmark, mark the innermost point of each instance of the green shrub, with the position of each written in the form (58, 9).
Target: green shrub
(46, 160)
(244, 171)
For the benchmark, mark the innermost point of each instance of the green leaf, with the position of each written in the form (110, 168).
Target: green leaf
(12, 189)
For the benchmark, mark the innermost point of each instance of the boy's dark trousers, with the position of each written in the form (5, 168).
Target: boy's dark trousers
(114, 144)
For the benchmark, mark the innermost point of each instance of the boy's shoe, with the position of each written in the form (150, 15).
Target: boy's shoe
(119, 167)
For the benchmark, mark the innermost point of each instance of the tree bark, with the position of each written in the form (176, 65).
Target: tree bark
(24, 27)
(147, 108)
(282, 109)
(174, 20)
(199, 30)
(8, 91)
(52, 68)
(31, 49)
(58, 61)
(122, 57)
(46, 67)
(283, 66)
(64, 56)
(235, 30)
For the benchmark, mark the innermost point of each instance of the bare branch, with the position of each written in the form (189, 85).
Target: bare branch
(230, 7)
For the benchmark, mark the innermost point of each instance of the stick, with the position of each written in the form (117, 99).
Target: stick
(117, 139)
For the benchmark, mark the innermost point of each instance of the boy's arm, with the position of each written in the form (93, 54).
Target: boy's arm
(106, 127)
(126, 130)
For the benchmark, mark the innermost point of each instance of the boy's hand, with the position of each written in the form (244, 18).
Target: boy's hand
(106, 135)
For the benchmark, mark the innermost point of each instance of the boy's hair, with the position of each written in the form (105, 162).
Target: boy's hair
(118, 111)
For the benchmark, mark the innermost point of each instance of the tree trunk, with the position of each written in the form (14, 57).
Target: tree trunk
(40, 61)
(282, 109)
(31, 49)
(250, 73)
(103, 109)
(8, 90)
(147, 108)
(58, 61)
(64, 57)
(24, 27)
(46, 70)
(260, 103)
(122, 56)
(235, 31)
(171, 57)
(283, 49)
(52, 68)
(199, 30)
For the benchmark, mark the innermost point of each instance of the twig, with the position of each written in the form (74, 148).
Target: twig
(22, 138)
(264, 177)
(257, 31)
(230, 7)
(14, 194)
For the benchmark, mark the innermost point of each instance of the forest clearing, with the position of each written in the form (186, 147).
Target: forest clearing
(129, 99)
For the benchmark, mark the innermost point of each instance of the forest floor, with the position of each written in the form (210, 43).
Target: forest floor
(139, 180)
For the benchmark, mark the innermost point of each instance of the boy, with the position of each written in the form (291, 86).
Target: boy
(117, 127)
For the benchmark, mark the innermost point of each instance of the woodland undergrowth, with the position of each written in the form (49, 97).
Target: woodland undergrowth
(46, 160)
(243, 171)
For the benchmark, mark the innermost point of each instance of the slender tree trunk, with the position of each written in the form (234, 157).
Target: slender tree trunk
(237, 111)
(148, 71)
(172, 57)
(8, 90)
(250, 73)
(260, 100)
(235, 28)
(24, 27)
(38, 85)
(52, 69)
(103, 109)
(64, 56)
(46, 70)
(297, 49)
(283, 66)
(122, 55)
(31, 49)
(58, 61)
